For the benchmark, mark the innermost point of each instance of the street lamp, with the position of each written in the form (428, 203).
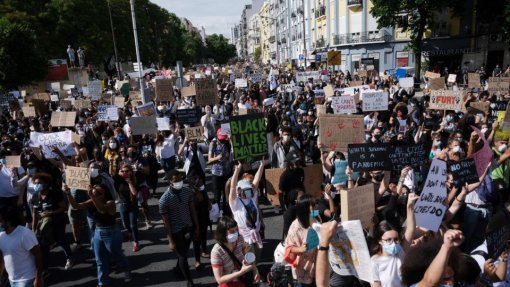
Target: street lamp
(275, 33)
(304, 32)
(137, 50)
(114, 42)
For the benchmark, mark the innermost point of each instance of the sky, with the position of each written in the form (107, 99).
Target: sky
(216, 16)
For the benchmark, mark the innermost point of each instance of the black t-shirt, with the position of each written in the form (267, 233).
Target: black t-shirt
(49, 203)
(135, 164)
(122, 188)
(291, 178)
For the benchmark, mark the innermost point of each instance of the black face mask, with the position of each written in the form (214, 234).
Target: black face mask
(378, 177)
(131, 154)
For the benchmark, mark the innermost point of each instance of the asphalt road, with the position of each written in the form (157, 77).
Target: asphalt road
(152, 264)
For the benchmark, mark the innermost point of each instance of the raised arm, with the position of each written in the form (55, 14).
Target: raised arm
(233, 183)
(411, 221)
(258, 175)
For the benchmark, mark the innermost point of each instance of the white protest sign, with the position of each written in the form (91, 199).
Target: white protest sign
(430, 208)
(406, 82)
(94, 90)
(61, 140)
(77, 177)
(375, 101)
(55, 86)
(225, 129)
(143, 125)
(67, 87)
(54, 97)
(107, 113)
(343, 105)
(452, 78)
(348, 252)
(241, 83)
(287, 88)
(257, 77)
(163, 124)
(352, 90)
(304, 76)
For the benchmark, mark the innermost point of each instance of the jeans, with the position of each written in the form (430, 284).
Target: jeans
(182, 240)
(108, 245)
(129, 216)
(92, 228)
(475, 222)
(168, 164)
(26, 283)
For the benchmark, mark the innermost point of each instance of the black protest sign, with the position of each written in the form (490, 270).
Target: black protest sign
(249, 137)
(407, 155)
(464, 171)
(495, 108)
(497, 234)
(189, 116)
(368, 157)
(75, 93)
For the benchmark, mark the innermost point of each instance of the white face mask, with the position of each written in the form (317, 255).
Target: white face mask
(456, 149)
(231, 238)
(484, 130)
(178, 185)
(94, 172)
(113, 145)
(286, 138)
(502, 148)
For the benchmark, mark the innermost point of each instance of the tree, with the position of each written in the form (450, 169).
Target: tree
(20, 59)
(219, 49)
(257, 54)
(413, 16)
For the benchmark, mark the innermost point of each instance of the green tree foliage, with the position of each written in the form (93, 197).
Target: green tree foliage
(413, 16)
(257, 54)
(219, 49)
(20, 61)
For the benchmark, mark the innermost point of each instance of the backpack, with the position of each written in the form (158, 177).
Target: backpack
(487, 192)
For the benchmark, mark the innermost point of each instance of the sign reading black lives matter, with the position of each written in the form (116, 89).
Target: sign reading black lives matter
(249, 138)
(368, 157)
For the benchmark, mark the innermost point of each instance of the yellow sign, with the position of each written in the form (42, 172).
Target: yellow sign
(334, 58)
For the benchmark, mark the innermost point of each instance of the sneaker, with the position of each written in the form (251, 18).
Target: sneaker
(136, 247)
(69, 264)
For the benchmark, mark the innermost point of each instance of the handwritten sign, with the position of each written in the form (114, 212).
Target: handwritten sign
(189, 116)
(481, 106)
(146, 110)
(273, 176)
(119, 102)
(445, 100)
(61, 140)
(407, 155)
(135, 96)
(432, 75)
(256, 78)
(338, 131)
(473, 80)
(452, 78)
(163, 124)
(164, 90)
(304, 76)
(241, 83)
(358, 204)
(349, 253)
(12, 161)
(143, 125)
(343, 105)
(194, 133)
(484, 155)
(248, 136)
(375, 101)
(188, 91)
(313, 180)
(28, 111)
(63, 119)
(329, 91)
(82, 104)
(94, 90)
(77, 177)
(499, 84)
(437, 83)
(430, 208)
(406, 82)
(206, 92)
(497, 234)
(464, 171)
(368, 157)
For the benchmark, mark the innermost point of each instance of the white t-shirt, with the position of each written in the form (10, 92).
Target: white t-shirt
(386, 269)
(15, 247)
(239, 212)
(9, 188)
(168, 147)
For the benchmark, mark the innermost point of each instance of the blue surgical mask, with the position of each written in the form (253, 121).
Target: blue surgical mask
(38, 187)
(392, 248)
(314, 213)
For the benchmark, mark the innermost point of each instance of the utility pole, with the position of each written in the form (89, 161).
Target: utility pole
(137, 49)
(117, 64)
(304, 33)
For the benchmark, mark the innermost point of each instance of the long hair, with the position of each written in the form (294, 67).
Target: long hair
(303, 209)
(381, 228)
(224, 224)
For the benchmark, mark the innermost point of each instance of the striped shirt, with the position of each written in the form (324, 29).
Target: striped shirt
(221, 259)
(176, 206)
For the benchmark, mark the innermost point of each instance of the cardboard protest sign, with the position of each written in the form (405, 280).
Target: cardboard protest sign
(164, 90)
(188, 91)
(328, 91)
(406, 82)
(362, 73)
(55, 86)
(241, 83)
(272, 180)
(54, 97)
(499, 84)
(256, 77)
(358, 204)
(437, 83)
(484, 155)
(147, 110)
(119, 102)
(206, 92)
(66, 104)
(452, 78)
(353, 90)
(445, 100)
(248, 111)
(356, 83)
(63, 119)
(348, 253)
(481, 106)
(432, 75)
(143, 125)
(77, 177)
(95, 90)
(368, 157)
(194, 133)
(430, 208)
(343, 105)
(321, 109)
(464, 171)
(163, 124)
(42, 96)
(135, 96)
(107, 113)
(304, 76)
(497, 234)
(248, 136)
(407, 155)
(12, 161)
(28, 111)
(338, 131)
(189, 116)
(61, 140)
(313, 180)
(474, 80)
(40, 106)
(82, 104)
(375, 101)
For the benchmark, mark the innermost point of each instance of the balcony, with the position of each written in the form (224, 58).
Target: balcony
(320, 12)
(358, 38)
(320, 43)
(272, 39)
(354, 3)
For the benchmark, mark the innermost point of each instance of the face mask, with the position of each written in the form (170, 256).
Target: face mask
(437, 143)
(338, 160)
(333, 194)
(113, 145)
(31, 171)
(248, 193)
(392, 249)
(177, 185)
(286, 138)
(484, 130)
(314, 213)
(445, 285)
(378, 177)
(449, 119)
(94, 172)
(38, 187)
(231, 238)
(502, 148)
(310, 113)
(131, 154)
(456, 149)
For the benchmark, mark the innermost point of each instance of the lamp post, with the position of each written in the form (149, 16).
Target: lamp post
(117, 64)
(304, 32)
(137, 49)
